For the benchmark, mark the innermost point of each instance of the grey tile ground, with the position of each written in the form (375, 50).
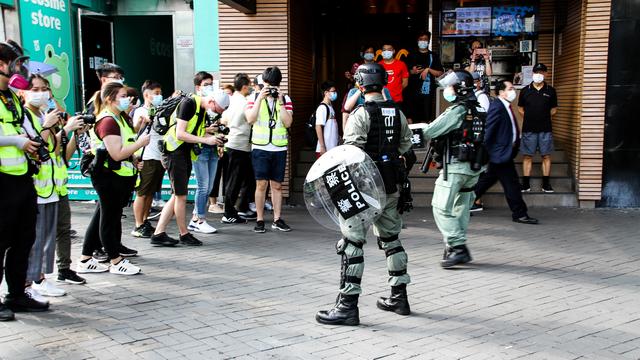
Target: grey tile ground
(566, 289)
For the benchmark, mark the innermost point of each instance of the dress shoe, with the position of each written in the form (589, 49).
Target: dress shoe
(25, 303)
(526, 220)
(397, 302)
(455, 256)
(345, 312)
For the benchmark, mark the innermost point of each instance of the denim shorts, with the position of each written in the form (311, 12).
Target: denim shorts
(269, 165)
(532, 142)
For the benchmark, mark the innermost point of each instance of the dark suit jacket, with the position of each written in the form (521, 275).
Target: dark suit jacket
(499, 134)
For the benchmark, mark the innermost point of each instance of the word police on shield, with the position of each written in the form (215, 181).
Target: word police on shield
(343, 192)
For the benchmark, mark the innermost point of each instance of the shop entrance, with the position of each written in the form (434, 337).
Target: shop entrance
(141, 45)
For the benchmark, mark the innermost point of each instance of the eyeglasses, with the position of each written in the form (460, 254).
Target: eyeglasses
(116, 77)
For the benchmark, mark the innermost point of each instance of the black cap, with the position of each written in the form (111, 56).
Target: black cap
(540, 67)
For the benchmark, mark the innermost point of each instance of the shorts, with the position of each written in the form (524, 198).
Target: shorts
(532, 142)
(150, 178)
(178, 164)
(269, 165)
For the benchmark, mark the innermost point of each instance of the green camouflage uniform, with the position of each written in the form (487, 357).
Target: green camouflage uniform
(387, 227)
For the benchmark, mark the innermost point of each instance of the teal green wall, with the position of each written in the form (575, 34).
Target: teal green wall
(206, 40)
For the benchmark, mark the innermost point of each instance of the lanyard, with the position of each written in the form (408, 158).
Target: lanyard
(11, 106)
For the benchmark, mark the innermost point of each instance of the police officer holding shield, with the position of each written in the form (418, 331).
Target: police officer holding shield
(457, 136)
(380, 129)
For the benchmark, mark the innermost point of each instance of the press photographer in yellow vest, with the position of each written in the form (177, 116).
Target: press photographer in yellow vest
(114, 142)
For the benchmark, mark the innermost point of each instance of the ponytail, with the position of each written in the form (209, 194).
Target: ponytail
(108, 93)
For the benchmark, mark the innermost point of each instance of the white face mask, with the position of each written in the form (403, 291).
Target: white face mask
(368, 56)
(387, 54)
(206, 90)
(37, 98)
(538, 78)
(449, 94)
(156, 100)
(511, 95)
(423, 44)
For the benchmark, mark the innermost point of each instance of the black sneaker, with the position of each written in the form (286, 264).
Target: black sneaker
(259, 228)
(248, 215)
(24, 303)
(73, 233)
(126, 252)
(233, 220)
(143, 231)
(525, 188)
(547, 188)
(163, 239)
(70, 276)
(190, 240)
(100, 255)
(6, 314)
(280, 225)
(476, 207)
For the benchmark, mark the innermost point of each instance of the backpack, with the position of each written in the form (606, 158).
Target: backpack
(161, 115)
(310, 135)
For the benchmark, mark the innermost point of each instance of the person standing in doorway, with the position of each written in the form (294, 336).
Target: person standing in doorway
(397, 72)
(424, 66)
(326, 124)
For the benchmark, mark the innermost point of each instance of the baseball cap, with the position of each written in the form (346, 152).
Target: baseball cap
(221, 98)
(540, 67)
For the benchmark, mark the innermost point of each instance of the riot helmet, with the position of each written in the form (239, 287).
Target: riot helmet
(462, 83)
(372, 77)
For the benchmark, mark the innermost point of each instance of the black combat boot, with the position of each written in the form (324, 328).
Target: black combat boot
(397, 302)
(455, 255)
(344, 313)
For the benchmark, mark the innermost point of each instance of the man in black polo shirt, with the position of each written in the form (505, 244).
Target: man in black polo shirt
(538, 103)
(424, 67)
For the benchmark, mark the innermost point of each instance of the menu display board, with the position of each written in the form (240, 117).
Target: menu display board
(472, 21)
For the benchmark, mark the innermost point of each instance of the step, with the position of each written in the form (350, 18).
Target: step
(562, 184)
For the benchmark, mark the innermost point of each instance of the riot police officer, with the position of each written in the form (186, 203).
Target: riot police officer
(380, 129)
(457, 138)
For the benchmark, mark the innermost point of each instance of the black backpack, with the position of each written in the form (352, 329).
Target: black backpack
(161, 115)
(310, 135)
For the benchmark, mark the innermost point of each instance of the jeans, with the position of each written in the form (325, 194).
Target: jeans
(205, 168)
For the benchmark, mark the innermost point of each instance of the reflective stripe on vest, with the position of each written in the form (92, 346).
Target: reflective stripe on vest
(263, 134)
(60, 176)
(13, 160)
(127, 136)
(43, 180)
(171, 139)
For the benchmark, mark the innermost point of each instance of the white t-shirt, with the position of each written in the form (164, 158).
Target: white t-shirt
(288, 105)
(483, 99)
(330, 127)
(32, 133)
(239, 128)
(151, 151)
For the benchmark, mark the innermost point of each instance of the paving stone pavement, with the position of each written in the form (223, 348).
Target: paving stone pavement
(566, 289)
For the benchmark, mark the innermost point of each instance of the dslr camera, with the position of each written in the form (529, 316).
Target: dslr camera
(88, 119)
(43, 149)
(273, 92)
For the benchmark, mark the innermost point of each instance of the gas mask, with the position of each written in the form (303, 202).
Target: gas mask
(18, 73)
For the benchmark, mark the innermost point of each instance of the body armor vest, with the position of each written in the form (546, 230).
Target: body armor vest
(384, 131)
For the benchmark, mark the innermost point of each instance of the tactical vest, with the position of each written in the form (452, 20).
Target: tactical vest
(127, 136)
(194, 126)
(269, 129)
(43, 181)
(13, 160)
(383, 137)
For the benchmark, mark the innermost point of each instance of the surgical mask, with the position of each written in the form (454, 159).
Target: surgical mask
(212, 114)
(333, 95)
(119, 81)
(123, 104)
(368, 56)
(511, 95)
(538, 78)
(423, 44)
(37, 98)
(156, 100)
(449, 94)
(387, 54)
(206, 90)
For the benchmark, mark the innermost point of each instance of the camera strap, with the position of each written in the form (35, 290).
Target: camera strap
(11, 106)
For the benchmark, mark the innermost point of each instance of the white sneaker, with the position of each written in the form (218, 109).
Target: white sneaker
(35, 295)
(91, 266)
(201, 227)
(268, 206)
(47, 288)
(252, 206)
(124, 267)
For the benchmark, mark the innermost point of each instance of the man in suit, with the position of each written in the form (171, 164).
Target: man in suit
(502, 140)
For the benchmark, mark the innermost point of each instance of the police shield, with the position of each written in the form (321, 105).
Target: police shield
(344, 186)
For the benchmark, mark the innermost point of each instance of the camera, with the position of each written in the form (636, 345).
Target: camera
(223, 129)
(88, 119)
(273, 92)
(197, 149)
(63, 116)
(43, 149)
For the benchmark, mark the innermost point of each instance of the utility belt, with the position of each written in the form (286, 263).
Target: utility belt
(392, 172)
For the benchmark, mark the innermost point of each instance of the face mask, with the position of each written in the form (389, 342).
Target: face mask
(538, 78)
(212, 114)
(449, 94)
(387, 54)
(368, 56)
(333, 95)
(156, 100)
(18, 73)
(206, 90)
(123, 104)
(423, 44)
(37, 98)
(119, 81)
(511, 95)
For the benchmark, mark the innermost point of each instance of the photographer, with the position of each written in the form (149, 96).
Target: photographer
(181, 143)
(113, 176)
(19, 206)
(480, 62)
(152, 172)
(271, 114)
(48, 182)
